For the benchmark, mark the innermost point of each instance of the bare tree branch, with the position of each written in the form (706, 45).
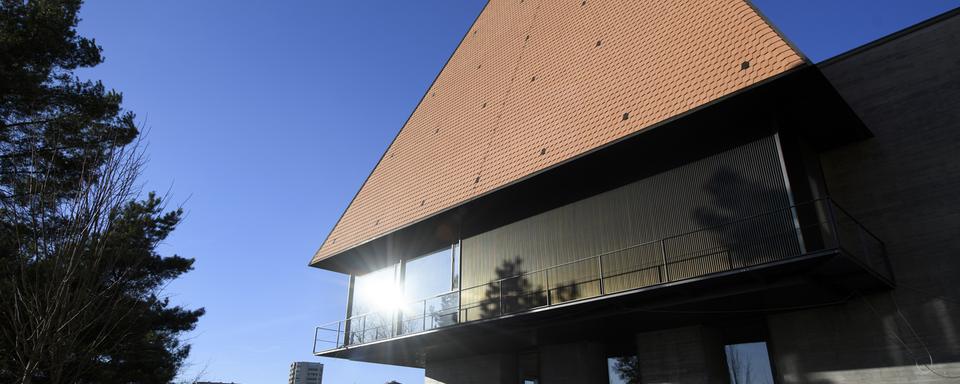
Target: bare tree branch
(62, 310)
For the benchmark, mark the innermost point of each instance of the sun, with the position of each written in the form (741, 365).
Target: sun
(384, 296)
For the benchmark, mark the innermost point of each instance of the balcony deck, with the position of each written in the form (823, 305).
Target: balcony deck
(809, 254)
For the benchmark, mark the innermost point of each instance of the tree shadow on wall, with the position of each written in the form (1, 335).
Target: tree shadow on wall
(515, 290)
(747, 223)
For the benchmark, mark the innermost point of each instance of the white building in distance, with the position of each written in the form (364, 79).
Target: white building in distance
(303, 372)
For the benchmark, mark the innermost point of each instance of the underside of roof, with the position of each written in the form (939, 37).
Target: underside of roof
(535, 83)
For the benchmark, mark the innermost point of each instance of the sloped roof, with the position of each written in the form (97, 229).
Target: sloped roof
(537, 82)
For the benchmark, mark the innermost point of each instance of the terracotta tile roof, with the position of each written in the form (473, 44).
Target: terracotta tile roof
(535, 83)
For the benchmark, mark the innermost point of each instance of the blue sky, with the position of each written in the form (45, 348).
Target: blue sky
(265, 118)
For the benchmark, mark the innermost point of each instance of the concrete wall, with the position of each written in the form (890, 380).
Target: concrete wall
(689, 355)
(486, 369)
(580, 363)
(682, 355)
(904, 185)
(576, 363)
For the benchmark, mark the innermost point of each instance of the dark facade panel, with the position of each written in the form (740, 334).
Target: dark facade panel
(903, 184)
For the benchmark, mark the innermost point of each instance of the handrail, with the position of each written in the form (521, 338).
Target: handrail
(398, 318)
(643, 244)
(854, 219)
(704, 229)
(403, 305)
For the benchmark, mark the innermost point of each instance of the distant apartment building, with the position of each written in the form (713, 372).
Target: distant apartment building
(303, 372)
(662, 191)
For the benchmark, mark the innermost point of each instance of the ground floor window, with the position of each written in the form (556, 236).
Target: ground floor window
(748, 363)
(529, 367)
(623, 369)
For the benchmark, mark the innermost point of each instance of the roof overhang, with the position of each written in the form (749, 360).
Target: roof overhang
(801, 101)
(538, 83)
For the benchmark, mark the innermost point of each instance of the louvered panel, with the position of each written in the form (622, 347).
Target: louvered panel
(673, 206)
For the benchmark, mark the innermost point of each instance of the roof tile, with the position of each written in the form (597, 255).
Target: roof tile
(531, 76)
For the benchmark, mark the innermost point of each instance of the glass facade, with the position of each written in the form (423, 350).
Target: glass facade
(429, 284)
(373, 309)
(429, 275)
(418, 294)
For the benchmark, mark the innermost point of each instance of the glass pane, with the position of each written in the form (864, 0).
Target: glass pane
(375, 291)
(456, 266)
(623, 370)
(428, 275)
(748, 363)
(435, 312)
(426, 280)
(376, 299)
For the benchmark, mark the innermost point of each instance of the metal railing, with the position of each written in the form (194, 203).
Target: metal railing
(779, 235)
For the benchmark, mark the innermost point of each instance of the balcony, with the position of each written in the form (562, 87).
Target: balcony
(815, 238)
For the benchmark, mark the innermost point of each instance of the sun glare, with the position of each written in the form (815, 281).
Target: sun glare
(384, 296)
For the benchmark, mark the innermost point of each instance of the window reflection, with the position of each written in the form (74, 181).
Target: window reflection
(428, 275)
(748, 363)
(425, 298)
(428, 284)
(456, 266)
(623, 370)
(375, 301)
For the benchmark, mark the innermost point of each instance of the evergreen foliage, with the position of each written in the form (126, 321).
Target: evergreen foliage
(81, 282)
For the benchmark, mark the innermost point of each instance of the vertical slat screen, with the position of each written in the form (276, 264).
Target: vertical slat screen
(719, 189)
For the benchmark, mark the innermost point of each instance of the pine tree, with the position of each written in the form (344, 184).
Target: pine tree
(80, 280)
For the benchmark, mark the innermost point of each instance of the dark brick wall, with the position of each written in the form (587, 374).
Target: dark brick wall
(579, 363)
(904, 185)
(681, 355)
(484, 369)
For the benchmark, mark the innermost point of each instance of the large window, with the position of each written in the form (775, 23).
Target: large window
(422, 291)
(528, 365)
(375, 301)
(623, 369)
(429, 284)
(375, 291)
(429, 275)
(748, 363)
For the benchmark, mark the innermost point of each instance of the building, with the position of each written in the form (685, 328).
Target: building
(663, 191)
(303, 372)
